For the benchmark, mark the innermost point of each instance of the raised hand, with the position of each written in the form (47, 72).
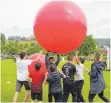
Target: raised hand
(41, 52)
(77, 52)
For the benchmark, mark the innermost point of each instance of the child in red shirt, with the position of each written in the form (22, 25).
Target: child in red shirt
(37, 74)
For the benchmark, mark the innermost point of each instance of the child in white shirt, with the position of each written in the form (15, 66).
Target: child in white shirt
(22, 64)
(80, 78)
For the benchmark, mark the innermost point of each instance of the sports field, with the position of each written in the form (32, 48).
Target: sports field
(8, 82)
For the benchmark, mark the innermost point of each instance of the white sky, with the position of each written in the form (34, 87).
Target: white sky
(17, 16)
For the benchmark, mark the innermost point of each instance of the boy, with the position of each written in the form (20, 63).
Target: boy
(37, 75)
(80, 78)
(97, 84)
(22, 71)
(54, 81)
(68, 83)
(50, 60)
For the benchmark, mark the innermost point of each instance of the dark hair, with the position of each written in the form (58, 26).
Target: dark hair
(22, 55)
(51, 57)
(38, 66)
(97, 56)
(52, 68)
(69, 57)
(82, 60)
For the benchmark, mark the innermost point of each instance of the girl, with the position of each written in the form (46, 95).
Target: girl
(97, 84)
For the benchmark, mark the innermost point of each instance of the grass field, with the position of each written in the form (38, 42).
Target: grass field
(8, 74)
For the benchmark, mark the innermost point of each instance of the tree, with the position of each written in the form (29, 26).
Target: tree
(11, 47)
(26, 45)
(3, 39)
(88, 46)
(34, 49)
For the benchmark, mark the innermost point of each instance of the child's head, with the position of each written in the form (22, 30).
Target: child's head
(23, 55)
(38, 66)
(51, 59)
(70, 58)
(52, 68)
(82, 60)
(97, 57)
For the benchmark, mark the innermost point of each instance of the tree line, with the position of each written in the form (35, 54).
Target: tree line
(20, 38)
(14, 47)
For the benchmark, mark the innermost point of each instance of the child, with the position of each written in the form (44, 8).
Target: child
(37, 74)
(68, 83)
(97, 84)
(80, 78)
(50, 60)
(54, 80)
(108, 52)
(22, 71)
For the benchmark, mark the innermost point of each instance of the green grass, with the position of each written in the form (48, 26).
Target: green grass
(8, 73)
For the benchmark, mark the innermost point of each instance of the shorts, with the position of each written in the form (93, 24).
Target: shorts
(19, 85)
(37, 96)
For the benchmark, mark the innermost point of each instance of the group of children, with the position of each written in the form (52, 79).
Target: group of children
(33, 77)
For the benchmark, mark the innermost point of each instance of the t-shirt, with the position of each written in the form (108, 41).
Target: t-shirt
(79, 72)
(37, 77)
(69, 70)
(54, 80)
(22, 69)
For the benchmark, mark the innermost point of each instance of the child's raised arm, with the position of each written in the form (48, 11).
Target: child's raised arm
(77, 59)
(38, 57)
(58, 60)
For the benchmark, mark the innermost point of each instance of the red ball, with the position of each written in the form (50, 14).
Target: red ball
(34, 56)
(60, 26)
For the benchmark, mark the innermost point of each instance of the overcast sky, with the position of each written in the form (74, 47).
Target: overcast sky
(17, 16)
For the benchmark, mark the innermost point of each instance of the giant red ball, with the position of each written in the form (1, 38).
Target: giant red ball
(60, 26)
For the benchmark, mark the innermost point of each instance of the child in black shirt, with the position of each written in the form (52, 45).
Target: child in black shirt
(68, 83)
(54, 80)
(50, 60)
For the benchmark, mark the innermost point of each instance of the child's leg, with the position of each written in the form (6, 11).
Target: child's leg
(27, 87)
(101, 95)
(39, 97)
(15, 97)
(91, 97)
(55, 96)
(66, 93)
(49, 94)
(18, 88)
(81, 96)
(27, 96)
(77, 90)
(79, 85)
(33, 97)
(59, 97)
(74, 92)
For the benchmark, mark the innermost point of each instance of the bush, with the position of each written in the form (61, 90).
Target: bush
(9, 57)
